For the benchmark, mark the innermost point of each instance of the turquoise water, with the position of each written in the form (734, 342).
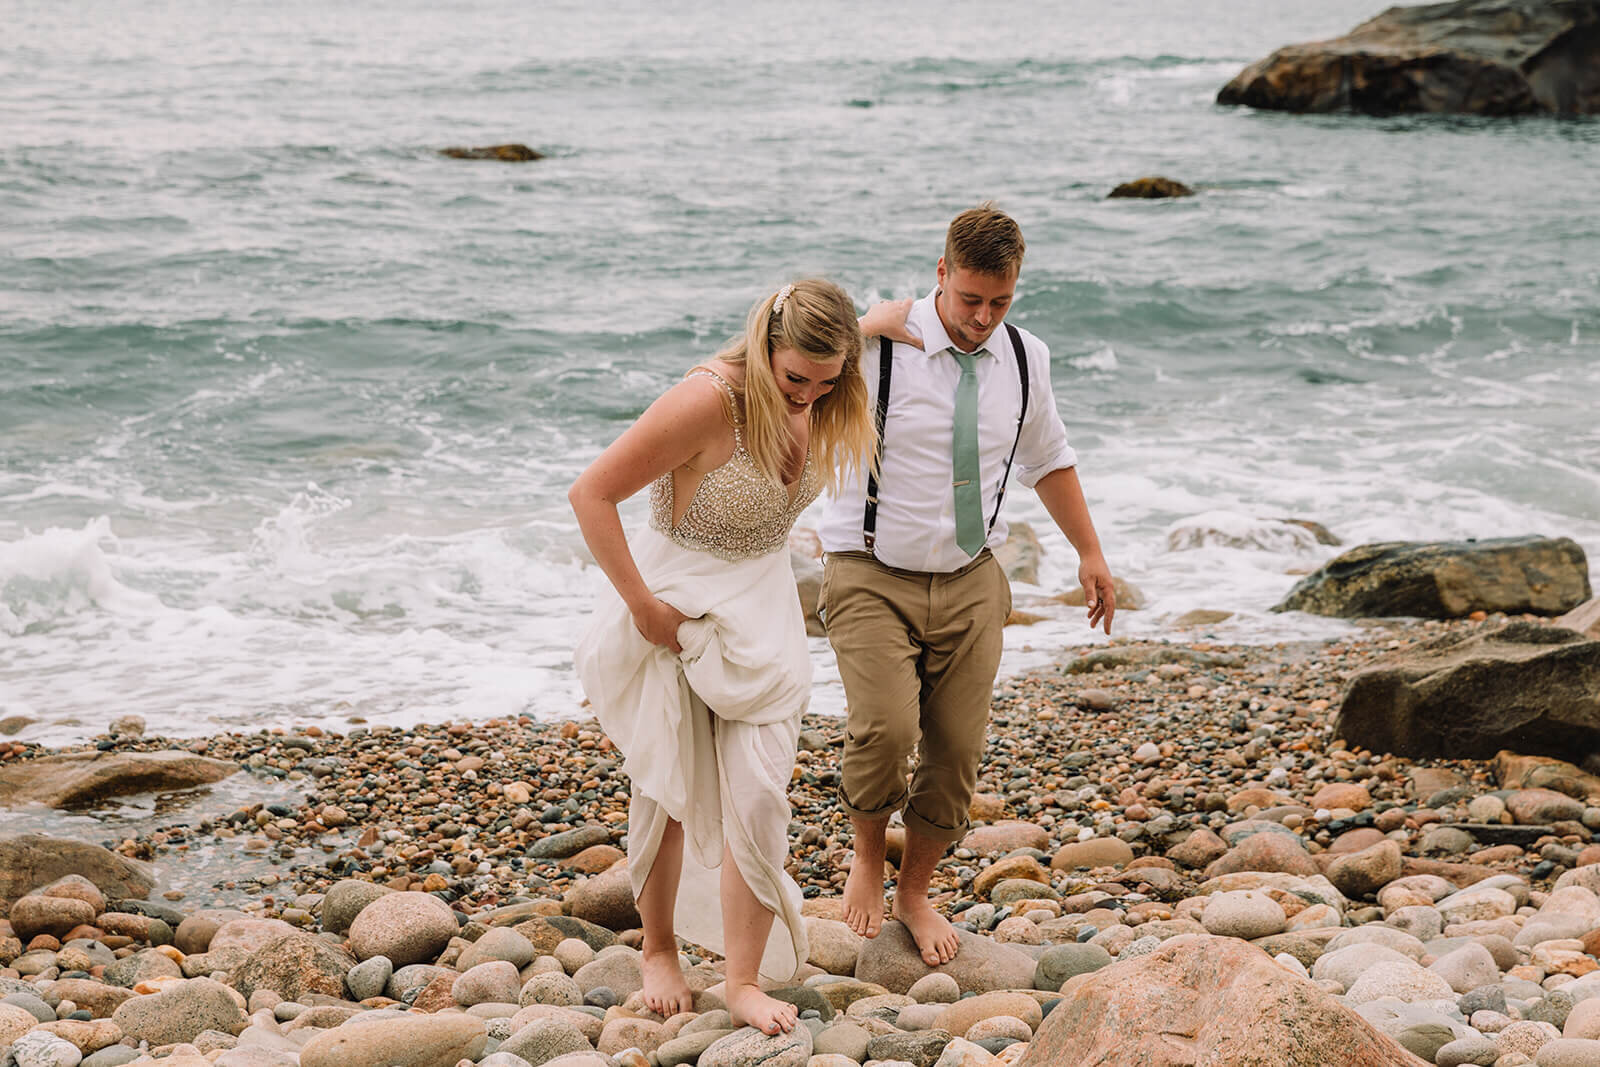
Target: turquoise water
(289, 403)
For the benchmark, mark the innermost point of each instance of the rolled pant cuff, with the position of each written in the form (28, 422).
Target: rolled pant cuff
(871, 813)
(948, 834)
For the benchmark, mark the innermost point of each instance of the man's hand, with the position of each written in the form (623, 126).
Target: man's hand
(658, 621)
(887, 318)
(1098, 592)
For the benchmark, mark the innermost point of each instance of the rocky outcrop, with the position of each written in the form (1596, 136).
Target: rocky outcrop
(1476, 57)
(1205, 1000)
(77, 778)
(1447, 579)
(1530, 688)
(29, 861)
(1152, 188)
(1019, 556)
(505, 153)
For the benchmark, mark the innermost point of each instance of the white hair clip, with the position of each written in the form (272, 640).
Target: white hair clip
(783, 294)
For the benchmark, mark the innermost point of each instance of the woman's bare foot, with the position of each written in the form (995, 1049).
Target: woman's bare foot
(751, 1007)
(665, 990)
(936, 939)
(863, 899)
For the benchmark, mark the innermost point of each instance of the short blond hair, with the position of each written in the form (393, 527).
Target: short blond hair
(984, 239)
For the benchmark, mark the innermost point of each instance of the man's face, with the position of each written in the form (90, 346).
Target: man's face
(972, 304)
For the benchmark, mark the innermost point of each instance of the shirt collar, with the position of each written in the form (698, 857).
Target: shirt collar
(924, 321)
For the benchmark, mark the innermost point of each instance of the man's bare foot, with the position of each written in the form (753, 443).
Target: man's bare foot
(665, 990)
(936, 939)
(751, 1007)
(863, 899)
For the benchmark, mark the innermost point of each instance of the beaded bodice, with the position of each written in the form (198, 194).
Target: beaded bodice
(737, 512)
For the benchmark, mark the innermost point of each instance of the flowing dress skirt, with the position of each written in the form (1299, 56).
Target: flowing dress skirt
(708, 736)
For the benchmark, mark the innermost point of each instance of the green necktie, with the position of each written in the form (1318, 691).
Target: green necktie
(970, 534)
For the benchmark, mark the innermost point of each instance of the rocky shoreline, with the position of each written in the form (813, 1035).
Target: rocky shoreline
(1168, 839)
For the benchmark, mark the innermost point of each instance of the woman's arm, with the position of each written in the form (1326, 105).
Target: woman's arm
(887, 318)
(685, 421)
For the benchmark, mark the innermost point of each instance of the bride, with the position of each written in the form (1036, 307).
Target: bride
(696, 659)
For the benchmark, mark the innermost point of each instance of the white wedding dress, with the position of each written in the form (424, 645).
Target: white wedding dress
(709, 735)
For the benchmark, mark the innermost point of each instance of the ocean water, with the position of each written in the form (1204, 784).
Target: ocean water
(289, 403)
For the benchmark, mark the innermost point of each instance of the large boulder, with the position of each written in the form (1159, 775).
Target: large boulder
(1521, 686)
(77, 778)
(1447, 579)
(981, 965)
(406, 927)
(29, 861)
(1478, 57)
(1205, 1000)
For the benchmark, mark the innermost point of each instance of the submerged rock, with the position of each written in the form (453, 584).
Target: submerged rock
(1150, 189)
(1478, 57)
(505, 153)
(76, 778)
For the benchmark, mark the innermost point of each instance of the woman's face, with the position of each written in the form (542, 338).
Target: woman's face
(804, 380)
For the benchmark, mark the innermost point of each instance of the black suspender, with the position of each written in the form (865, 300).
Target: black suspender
(869, 519)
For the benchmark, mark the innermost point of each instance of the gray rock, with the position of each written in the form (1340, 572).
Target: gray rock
(42, 1049)
(804, 998)
(618, 972)
(545, 1039)
(687, 1048)
(179, 1013)
(32, 1005)
(501, 1058)
(921, 1048)
(1425, 1039)
(1467, 968)
(1467, 1050)
(569, 842)
(749, 1046)
(369, 978)
(844, 1038)
(406, 927)
(407, 981)
(1553, 1007)
(344, 901)
(141, 967)
(499, 943)
(111, 1056)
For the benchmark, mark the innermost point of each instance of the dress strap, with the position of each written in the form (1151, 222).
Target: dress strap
(735, 411)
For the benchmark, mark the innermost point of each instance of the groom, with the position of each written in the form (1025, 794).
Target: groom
(912, 598)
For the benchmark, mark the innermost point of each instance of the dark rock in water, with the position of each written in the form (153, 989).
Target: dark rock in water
(505, 153)
(28, 861)
(1149, 189)
(1447, 579)
(1475, 57)
(1323, 535)
(1526, 687)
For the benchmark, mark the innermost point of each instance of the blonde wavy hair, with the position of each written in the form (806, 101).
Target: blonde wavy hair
(817, 320)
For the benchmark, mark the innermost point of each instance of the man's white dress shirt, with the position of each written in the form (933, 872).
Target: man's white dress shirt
(916, 527)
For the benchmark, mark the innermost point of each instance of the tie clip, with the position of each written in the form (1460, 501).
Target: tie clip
(964, 481)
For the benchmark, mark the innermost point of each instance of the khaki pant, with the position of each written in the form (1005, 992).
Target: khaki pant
(918, 654)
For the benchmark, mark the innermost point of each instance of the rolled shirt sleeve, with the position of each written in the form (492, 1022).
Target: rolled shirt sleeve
(1042, 446)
